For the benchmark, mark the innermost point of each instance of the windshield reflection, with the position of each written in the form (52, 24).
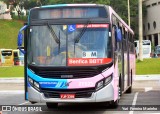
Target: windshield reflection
(43, 50)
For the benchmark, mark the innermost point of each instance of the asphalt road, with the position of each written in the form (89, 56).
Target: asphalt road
(145, 92)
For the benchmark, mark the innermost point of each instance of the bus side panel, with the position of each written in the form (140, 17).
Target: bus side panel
(116, 80)
(0, 58)
(25, 64)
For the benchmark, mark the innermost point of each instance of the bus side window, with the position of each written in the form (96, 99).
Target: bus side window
(114, 39)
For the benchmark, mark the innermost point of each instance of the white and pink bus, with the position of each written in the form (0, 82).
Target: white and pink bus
(77, 53)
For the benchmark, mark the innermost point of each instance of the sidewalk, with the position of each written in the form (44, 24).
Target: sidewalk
(12, 80)
(148, 77)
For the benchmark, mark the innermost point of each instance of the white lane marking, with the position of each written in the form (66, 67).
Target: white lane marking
(134, 102)
(148, 89)
(135, 99)
(24, 103)
(12, 92)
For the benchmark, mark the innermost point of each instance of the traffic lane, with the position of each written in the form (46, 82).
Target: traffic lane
(11, 99)
(78, 109)
(73, 112)
(85, 108)
(151, 97)
(126, 99)
(95, 108)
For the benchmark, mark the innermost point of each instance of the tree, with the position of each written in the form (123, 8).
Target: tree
(17, 4)
(30, 4)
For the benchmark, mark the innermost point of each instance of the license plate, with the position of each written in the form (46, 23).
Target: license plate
(67, 96)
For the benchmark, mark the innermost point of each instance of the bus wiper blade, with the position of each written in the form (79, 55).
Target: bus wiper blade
(53, 33)
(76, 40)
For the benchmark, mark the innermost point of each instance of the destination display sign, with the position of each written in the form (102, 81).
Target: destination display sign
(68, 12)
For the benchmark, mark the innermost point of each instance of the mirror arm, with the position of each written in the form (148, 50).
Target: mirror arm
(23, 28)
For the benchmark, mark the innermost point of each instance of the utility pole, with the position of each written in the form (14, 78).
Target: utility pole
(140, 31)
(129, 20)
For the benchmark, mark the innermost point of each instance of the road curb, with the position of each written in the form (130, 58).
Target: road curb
(11, 80)
(147, 77)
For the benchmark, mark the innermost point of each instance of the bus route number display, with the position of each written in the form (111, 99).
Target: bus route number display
(89, 54)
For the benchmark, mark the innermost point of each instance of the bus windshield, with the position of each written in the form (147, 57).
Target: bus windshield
(93, 46)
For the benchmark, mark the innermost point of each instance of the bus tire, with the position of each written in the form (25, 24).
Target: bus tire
(52, 105)
(114, 104)
(120, 86)
(129, 90)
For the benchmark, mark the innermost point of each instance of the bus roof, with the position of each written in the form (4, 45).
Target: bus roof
(120, 19)
(62, 5)
(109, 7)
(65, 5)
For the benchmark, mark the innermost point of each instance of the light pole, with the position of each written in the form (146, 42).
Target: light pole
(129, 22)
(140, 31)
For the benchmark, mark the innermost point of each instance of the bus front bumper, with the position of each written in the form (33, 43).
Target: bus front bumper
(103, 95)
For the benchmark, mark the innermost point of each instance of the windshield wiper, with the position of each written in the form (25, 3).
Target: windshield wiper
(53, 33)
(76, 40)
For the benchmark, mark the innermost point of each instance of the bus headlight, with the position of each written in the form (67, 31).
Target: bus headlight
(30, 80)
(36, 85)
(99, 85)
(108, 80)
(33, 83)
(103, 82)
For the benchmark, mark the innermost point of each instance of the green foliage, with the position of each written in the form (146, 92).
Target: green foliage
(30, 4)
(120, 6)
(14, 71)
(8, 33)
(22, 18)
(148, 66)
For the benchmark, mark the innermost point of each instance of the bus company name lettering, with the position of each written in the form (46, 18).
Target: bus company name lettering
(85, 61)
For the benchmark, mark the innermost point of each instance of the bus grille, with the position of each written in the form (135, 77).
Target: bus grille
(68, 74)
(79, 93)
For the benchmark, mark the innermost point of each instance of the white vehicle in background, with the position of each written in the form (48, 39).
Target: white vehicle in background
(146, 45)
(157, 51)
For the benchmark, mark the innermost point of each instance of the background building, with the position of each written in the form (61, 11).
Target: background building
(4, 12)
(151, 22)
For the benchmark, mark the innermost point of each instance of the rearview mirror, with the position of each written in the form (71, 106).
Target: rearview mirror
(118, 35)
(20, 38)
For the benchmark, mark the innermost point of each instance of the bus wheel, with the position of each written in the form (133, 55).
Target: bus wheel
(129, 90)
(52, 105)
(120, 90)
(114, 104)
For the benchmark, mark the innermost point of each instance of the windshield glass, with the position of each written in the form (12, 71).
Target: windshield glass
(157, 50)
(92, 48)
(6, 53)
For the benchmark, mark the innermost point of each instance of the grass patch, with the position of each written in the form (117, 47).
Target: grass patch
(148, 66)
(8, 33)
(14, 71)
